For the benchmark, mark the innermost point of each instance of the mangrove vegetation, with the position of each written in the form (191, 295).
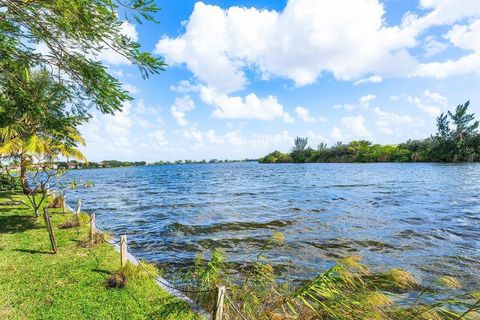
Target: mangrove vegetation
(457, 139)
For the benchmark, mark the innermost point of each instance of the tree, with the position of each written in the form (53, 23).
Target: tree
(465, 124)
(443, 129)
(74, 33)
(298, 150)
(455, 144)
(42, 123)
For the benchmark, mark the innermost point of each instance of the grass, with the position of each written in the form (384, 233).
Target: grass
(36, 284)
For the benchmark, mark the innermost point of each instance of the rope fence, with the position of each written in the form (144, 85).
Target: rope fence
(208, 302)
(199, 299)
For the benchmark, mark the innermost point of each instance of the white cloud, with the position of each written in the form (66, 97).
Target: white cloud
(371, 79)
(384, 126)
(314, 139)
(356, 126)
(110, 56)
(393, 117)
(129, 30)
(466, 37)
(337, 134)
(194, 135)
(213, 138)
(131, 88)
(351, 128)
(185, 86)
(363, 103)
(433, 47)
(304, 114)
(234, 142)
(441, 70)
(308, 38)
(159, 137)
(250, 107)
(443, 12)
(134, 134)
(287, 118)
(179, 109)
(365, 100)
(432, 103)
(387, 119)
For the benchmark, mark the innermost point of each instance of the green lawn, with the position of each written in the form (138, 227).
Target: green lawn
(36, 284)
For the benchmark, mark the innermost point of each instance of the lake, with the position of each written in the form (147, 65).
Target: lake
(422, 217)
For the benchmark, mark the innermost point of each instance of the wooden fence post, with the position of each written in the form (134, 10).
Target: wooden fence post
(123, 251)
(218, 307)
(53, 242)
(64, 205)
(92, 226)
(79, 206)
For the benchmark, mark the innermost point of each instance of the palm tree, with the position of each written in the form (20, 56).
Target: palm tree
(35, 121)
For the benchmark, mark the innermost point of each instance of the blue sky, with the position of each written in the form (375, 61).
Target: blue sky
(246, 77)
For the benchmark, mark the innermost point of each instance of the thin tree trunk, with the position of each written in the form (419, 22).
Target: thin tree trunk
(23, 174)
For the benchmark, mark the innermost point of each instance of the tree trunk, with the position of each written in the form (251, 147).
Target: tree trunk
(23, 174)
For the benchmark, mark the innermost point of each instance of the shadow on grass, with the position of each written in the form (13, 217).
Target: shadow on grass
(33, 251)
(17, 223)
(101, 271)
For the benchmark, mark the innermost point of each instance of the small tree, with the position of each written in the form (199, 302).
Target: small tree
(35, 117)
(298, 150)
(465, 124)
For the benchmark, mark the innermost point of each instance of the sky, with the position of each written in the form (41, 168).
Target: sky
(245, 78)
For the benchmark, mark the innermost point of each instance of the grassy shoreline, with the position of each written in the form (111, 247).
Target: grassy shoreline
(36, 284)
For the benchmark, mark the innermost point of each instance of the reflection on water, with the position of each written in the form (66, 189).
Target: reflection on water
(421, 217)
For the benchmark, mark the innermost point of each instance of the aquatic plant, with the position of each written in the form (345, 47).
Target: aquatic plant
(347, 291)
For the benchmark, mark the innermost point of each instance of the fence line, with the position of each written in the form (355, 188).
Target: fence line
(160, 281)
(234, 307)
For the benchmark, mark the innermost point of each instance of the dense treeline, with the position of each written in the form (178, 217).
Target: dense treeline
(457, 139)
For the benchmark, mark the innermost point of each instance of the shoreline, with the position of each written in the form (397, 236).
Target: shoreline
(74, 282)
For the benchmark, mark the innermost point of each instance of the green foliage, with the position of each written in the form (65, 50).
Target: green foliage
(74, 33)
(35, 284)
(457, 139)
(9, 183)
(346, 291)
(275, 157)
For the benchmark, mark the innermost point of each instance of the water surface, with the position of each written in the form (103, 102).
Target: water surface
(420, 217)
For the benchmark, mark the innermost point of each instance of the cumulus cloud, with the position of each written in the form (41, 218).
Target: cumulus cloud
(387, 119)
(363, 103)
(159, 137)
(236, 142)
(465, 37)
(307, 38)
(371, 79)
(336, 134)
(193, 134)
(185, 86)
(304, 114)
(432, 103)
(314, 139)
(249, 107)
(433, 47)
(131, 134)
(441, 12)
(179, 109)
(351, 128)
(356, 125)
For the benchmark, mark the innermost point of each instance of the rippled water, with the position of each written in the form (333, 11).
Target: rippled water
(420, 217)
